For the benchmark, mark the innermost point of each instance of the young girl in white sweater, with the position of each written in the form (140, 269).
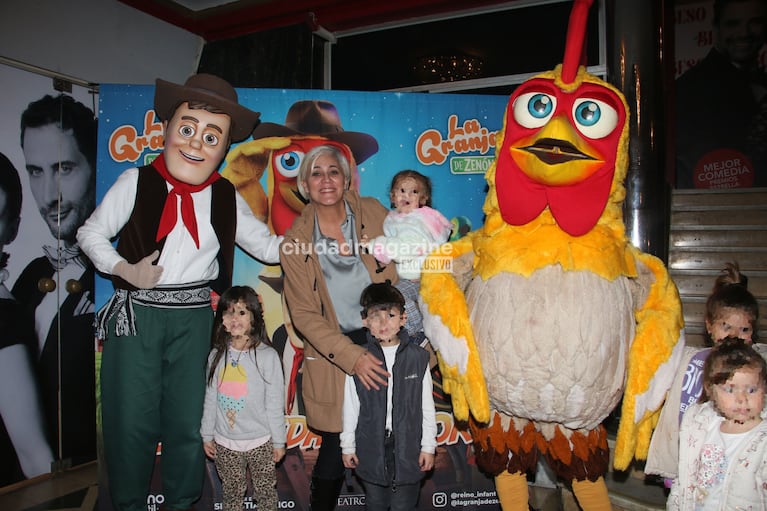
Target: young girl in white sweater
(723, 437)
(412, 229)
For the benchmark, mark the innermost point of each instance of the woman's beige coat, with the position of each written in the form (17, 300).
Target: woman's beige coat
(329, 355)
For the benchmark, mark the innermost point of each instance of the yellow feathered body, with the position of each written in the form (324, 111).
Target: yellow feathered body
(540, 332)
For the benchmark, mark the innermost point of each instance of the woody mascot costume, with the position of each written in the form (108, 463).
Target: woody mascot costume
(177, 221)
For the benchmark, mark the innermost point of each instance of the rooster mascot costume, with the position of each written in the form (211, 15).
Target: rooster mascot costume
(550, 316)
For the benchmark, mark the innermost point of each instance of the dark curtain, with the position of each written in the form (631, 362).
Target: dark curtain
(289, 57)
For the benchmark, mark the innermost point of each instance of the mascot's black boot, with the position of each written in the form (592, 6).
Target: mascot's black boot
(325, 494)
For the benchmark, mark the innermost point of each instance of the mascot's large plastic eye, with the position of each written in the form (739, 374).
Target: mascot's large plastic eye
(288, 163)
(186, 130)
(534, 109)
(594, 118)
(210, 139)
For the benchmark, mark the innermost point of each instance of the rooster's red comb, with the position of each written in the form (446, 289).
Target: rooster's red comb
(575, 46)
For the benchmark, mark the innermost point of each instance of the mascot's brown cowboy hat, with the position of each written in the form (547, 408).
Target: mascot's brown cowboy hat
(209, 89)
(319, 117)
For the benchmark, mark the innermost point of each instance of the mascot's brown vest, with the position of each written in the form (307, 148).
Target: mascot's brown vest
(137, 238)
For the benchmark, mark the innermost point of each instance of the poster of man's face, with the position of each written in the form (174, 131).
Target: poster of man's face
(740, 29)
(61, 178)
(53, 199)
(49, 138)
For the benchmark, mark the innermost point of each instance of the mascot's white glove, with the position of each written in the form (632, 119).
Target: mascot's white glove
(143, 274)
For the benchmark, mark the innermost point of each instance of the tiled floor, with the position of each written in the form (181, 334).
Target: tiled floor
(75, 489)
(630, 491)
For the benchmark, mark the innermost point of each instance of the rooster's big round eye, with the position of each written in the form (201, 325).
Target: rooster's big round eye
(288, 163)
(594, 118)
(534, 109)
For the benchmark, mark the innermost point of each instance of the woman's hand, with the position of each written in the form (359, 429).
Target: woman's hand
(370, 371)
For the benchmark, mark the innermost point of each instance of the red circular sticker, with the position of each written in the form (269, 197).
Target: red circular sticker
(724, 168)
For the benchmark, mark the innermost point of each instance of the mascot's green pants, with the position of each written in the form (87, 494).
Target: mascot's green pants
(152, 390)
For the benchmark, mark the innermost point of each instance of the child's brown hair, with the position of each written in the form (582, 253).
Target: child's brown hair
(381, 296)
(423, 181)
(220, 338)
(731, 292)
(728, 356)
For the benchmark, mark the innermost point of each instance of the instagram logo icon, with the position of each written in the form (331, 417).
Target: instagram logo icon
(439, 499)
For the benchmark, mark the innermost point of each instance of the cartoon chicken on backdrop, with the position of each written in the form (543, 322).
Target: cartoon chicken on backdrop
(550, 316)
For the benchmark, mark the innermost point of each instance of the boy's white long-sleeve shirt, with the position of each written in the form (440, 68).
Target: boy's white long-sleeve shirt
(199, 264)
(351, 409)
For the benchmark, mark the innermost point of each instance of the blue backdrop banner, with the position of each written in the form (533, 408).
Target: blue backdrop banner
(448, 137)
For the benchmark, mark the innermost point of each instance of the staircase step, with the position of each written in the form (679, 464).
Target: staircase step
(705, 236)
(735, 218)
(721, 199)
(714, 258)
(709, 228)
(701, 282)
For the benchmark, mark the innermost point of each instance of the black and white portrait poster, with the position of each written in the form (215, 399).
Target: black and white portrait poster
(47, 393)
(721, 94)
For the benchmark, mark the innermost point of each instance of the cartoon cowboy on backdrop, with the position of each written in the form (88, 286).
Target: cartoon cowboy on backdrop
(171, 251)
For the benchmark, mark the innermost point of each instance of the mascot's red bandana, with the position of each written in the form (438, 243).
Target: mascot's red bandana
(185, 191)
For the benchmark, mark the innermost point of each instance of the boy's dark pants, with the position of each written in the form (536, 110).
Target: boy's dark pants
(152, 389)
(400, 497)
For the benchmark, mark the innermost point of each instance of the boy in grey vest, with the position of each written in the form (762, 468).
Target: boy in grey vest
(389, 434)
